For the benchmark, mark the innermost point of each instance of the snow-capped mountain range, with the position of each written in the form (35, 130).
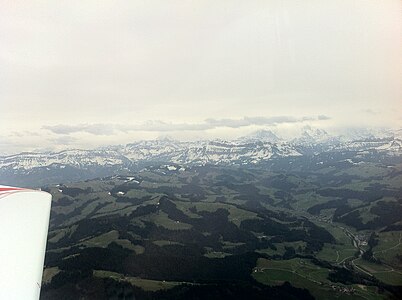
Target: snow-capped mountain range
(199, 153)
(258, 147)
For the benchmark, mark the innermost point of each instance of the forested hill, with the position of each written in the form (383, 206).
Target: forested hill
(308, 230)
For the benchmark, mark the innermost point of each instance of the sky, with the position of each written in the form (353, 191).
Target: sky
(82, 74)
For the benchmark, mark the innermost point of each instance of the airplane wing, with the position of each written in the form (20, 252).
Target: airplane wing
(24, 222)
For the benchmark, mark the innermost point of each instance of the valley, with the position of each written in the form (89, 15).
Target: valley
(296, 227)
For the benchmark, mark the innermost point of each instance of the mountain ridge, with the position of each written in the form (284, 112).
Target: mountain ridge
(240, 151)
(81, 164)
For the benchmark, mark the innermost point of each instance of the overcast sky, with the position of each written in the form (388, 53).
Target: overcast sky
(88, 73)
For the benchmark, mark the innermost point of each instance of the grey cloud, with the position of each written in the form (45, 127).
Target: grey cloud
(164, 126)
(323, 118)
(155, 126)
(64, 140)
(110, 129)
(247, 121)
(96, 129)
(234, 123)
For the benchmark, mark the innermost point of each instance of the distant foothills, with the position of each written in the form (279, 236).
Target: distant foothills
(264, 146)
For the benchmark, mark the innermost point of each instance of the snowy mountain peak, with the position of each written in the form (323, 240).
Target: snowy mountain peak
(311, 136)
(314, 132)
(262, 135)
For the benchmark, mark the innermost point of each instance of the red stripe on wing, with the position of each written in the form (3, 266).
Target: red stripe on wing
(9, 189)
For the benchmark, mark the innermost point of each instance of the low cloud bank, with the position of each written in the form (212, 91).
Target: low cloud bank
(155, 126)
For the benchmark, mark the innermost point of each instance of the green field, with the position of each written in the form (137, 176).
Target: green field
(48, 274)
(102, 240)
(162, 219)
(389, 249)
(382, 272)
(302, 273)
(145, 284)
(336, 253)
(392, 278)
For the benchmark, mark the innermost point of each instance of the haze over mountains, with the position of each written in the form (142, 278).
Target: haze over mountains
(261, 146)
